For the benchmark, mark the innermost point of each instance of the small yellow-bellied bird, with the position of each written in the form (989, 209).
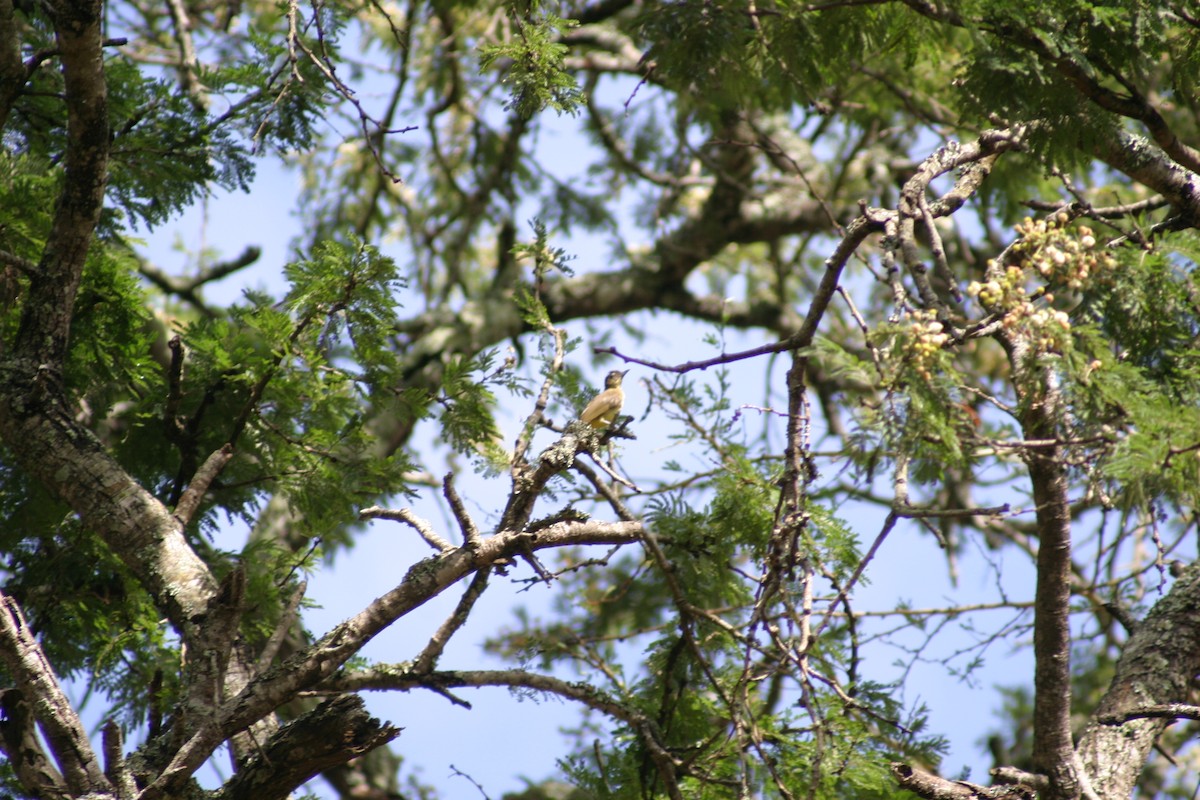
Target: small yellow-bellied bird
(605, 406)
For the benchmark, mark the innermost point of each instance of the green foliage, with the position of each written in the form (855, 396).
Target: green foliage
(348, 292)
(531, 62)
(1143, 400)
(111, 332)
(1148, 311)
(466, 418)
(280, 106)
(921, 418)
(725, 55)
(835, 542)
(27, 189)
(724, 149)
(702, 555)
(545, 258)
(164, 155)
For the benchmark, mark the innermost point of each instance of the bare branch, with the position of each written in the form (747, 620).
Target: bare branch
(188, 289)
(1171, 711)
(189, 81)
(287, 619)
(428, 658)
(115, 768)
(465, 523)
(407, 516)
(190, 501)
(400, 678)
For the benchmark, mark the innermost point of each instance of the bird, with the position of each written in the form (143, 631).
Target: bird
(605, 406)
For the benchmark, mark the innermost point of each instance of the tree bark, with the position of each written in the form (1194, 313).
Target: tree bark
(1156, 666)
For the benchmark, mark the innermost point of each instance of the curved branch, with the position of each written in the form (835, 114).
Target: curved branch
(424, 580)
(934, 787)
(398, 677)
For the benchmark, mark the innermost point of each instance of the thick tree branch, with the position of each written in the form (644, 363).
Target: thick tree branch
(1156, 667)
(69, 461)
(22, 747)
(331, 734)
(1053, 746)
(1146, 164)
(27, 664)
(46, 315)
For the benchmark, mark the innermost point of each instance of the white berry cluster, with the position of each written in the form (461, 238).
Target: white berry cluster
(926, 338)
(1063, 257)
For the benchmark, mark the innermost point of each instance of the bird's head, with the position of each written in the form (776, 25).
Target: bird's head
(613, 380)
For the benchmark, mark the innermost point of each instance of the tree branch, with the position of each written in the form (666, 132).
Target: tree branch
(27, 664)
(190, 501)
(423, 581)
(69, 461)
(23, 748)
(428, 658)
(1053, 746)
(400, 678)
(1170, 711)
(115, 767)
(188, 289)
(1155, 670)
(932, 787)
(407, 516)
(46, 315)
(331, 734)
(1138, 158)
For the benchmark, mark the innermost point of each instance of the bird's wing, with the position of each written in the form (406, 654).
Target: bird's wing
(602, 405)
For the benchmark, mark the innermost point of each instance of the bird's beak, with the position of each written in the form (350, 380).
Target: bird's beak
(623, 374)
